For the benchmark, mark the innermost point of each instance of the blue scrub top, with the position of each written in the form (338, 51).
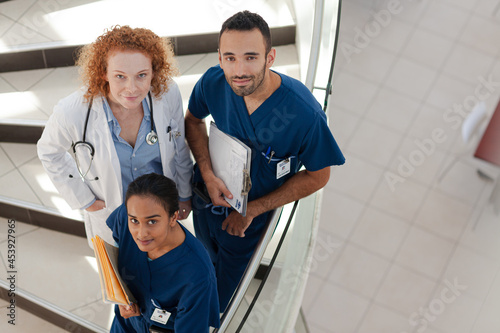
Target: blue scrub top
(182, 282)
(291, 123)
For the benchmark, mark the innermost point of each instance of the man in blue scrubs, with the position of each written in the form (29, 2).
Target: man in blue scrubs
(278, 118)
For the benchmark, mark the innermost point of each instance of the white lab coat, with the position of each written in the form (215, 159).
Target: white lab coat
(65, 127)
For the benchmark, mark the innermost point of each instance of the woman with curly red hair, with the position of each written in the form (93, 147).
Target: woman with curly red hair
(125, 122)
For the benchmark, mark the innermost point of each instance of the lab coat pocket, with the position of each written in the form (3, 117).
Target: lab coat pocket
(173, 134)
(101, 214)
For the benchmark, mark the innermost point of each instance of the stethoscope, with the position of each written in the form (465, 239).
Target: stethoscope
(151, 139)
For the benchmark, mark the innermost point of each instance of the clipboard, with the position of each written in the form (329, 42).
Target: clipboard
(114, 289)
(231, 160)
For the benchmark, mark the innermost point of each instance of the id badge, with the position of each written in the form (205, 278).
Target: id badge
(283, 168)
(160, 316)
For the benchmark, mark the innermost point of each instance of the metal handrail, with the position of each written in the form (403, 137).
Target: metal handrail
(315, 44)
(328, 89)
(251, 269)
(271, 265)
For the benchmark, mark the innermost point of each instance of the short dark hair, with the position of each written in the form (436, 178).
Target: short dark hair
(246, 21)
(158, 187)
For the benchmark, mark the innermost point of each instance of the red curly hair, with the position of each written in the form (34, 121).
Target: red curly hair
(93, 58)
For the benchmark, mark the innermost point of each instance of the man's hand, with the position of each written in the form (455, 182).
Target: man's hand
(236, 224)
(184, 209)
(217, 189)
(97, 205)
(127, 311)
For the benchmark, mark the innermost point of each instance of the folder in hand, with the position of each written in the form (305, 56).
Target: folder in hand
(113, 289)
(231, 162)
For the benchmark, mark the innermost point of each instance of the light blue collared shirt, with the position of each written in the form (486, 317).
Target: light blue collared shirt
(140, 159)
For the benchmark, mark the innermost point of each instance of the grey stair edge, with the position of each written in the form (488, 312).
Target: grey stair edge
(17, 131)
(62, 55)
(45, 310)
(23, 122)
(41, 216)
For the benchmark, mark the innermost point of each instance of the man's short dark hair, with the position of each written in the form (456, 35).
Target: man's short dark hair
(246, 21)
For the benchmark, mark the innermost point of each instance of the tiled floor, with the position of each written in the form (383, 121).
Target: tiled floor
(400, 248)
(403, 256)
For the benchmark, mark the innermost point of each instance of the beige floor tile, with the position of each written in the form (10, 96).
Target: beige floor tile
(6, 165)
(427, 48)
(439, 12)
(402, 199)
(186, 84)
(359, 271)
(37, 178)
(478, 63)
(339, 213)
(481, 234)
(382, 319)
(200, 67)
(23, 80)
(286, 55)
(425, 252)
(372, 64)
(453, 314)
(356, 15)
(13, 185)
(316, 329)
(486, 8)
(419, 160)
(420, 84)
(448, 92)
(185, 62)
(463, 183)
(14, 10)
(444, 215)
(20, 34)
(359, 180)
(404, 291)
(464, 4)
(19, 153)
(97, 312)
(380, 233)
(488, 320)
(352, 93)
(22, 105)
(431, 124)
(374, 142)
(482, 33)
(5, 24)
(465, 265)
(338, 309)
(58, 84)
(392, 110)
(393, 34)
(412, 11)
(327, 249)
(342, 124)
(5, 87)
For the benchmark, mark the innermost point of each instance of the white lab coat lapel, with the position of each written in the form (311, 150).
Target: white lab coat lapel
(108, 156)
(161, 131)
